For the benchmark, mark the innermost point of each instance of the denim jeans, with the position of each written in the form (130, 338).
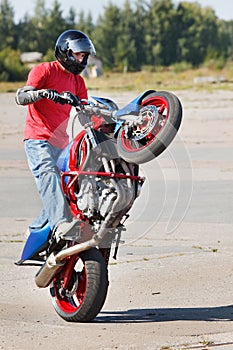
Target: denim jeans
(42, 158)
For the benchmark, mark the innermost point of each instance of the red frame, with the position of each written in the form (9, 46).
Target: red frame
(68, 186)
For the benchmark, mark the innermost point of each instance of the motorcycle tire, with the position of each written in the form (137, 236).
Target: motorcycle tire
(157, 134)
(87, 291)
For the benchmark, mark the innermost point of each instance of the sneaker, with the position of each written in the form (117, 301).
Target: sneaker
(68, 231)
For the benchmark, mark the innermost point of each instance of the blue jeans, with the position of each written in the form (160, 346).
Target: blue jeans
(42, 158)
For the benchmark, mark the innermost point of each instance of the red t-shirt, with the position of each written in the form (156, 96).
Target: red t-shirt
(47, 120)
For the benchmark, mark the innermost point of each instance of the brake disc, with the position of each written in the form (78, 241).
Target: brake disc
(146, 121)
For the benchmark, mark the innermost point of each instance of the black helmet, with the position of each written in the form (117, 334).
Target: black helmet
(73, 41)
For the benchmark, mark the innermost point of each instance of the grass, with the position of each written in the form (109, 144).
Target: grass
(165, 79)
(10, 87)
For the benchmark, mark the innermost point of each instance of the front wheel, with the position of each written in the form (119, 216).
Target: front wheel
(159, 120)
(87, 288)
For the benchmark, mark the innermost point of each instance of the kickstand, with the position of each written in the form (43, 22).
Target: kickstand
(117, 245)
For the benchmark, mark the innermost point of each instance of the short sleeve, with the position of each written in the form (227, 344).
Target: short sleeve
(37, 76)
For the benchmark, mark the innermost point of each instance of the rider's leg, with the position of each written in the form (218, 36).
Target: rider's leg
(42, 157)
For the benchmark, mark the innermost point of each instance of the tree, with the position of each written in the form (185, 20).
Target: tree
(70, 20)
(26, 29)
(54, 24)
(85, 23)
(224, 44)
(197, 34)
(10, 67)
(106, 35)
(7, 26)
(126, 45)
(140, 33)
(147, 33)
(161, 33)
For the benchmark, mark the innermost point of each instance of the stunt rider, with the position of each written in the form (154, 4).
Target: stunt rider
(45, 133)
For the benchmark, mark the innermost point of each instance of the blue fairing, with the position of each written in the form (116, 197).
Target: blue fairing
(36, 240)
(63, 160)
(131, 108)
(110, 104)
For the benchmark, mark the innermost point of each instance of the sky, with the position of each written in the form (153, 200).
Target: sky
(222, 8)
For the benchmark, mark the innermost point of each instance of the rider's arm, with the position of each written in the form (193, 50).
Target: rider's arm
(27, 95)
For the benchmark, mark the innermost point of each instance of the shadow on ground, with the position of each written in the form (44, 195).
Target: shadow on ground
(221, 313)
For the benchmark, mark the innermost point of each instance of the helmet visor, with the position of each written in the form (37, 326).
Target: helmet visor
(82, 45)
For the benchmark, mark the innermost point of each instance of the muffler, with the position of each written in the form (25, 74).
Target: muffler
(55, 261)
(46, 273)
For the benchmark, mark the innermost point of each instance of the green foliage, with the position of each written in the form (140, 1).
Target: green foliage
(49, 56)
(106, 35)
(10, 67)
(181, 67)
(146, 35)
(215, 63)
(198, 32)
(161, 23)
(7, 26)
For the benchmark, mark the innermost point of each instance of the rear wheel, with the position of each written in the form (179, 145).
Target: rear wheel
(85, 295)
(160, 119)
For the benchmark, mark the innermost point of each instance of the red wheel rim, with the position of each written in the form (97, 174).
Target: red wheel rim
(72, 303)
(163, 110)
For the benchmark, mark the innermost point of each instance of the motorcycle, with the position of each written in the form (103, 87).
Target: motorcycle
(100, 179)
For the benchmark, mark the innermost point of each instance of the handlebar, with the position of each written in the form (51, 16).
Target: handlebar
(97, 110)
(72, 100)
(65, 97)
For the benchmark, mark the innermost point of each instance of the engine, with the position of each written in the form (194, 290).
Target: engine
(95, 197)
(107, 199)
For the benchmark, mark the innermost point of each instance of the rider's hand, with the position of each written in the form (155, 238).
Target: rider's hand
(65, 97)
(71, 99)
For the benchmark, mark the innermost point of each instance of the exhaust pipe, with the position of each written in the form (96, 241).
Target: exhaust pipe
(55, 261)
(46, 273)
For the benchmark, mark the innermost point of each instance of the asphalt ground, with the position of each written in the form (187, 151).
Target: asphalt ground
(171, 286)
